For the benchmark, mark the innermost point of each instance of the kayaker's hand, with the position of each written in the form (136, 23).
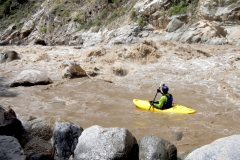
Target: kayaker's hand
(151, 102)
(158, 90)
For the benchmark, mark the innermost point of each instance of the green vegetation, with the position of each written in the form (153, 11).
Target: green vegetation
(13, 11)
(133, 15)
(232, 1)
(44, 29)
(178, 8)
(141, 21)
(112, 9)
(103, 13)
(61, 10)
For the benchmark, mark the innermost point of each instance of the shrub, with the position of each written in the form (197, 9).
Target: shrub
(231, 2)
(178, 9)
(133, 15)
(141, 21)
(44, 29)
(103, 13)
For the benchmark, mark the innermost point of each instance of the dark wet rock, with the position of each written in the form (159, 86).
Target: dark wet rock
(106, 143)
(223, 148)
(4, 43)
(38, 134)
(40, 42)
(8, 56)
(93, 73)
(152, 148)
(10, 149)
(10, 125)
(30, 78)
(35, 144)
(50, 137)
(39, 156)
(65, 138)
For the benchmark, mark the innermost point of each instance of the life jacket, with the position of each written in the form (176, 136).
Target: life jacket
(169, 102)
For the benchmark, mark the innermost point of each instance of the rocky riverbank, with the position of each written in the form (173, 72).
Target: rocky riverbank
(54, 138)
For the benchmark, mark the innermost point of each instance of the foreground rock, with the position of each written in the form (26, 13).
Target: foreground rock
(8, 56)
(152, 148)
(10, 125)
(65, 139)
(51, 137)
(30, 78)
(106, 143)
(224, 148)
(10, 149)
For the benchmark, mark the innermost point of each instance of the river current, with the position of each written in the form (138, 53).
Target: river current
(208, 83)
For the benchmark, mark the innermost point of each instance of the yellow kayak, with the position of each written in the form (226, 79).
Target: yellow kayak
(177, 108)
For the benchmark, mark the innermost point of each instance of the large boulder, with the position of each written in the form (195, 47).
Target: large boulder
(71, 69)
(126, 35)
(106, 143)
(65, 138)
(174, 24)
(7, 32)
(10, 125)
(8, 56)
(223, 148)
(200, 32)
(152, 148)
(30, 78)
(49, 137)
(10, 149)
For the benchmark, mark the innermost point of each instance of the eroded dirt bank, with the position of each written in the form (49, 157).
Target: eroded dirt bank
(202, 77)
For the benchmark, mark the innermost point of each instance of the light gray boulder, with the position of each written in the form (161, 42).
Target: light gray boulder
(8, 56)
(106, 143)
(174, 24)
(7, 32)
(10, 149)
(65, 138)
(153, 148)
(126, 35)
(200, 32)
(223, 148)
(30, 78)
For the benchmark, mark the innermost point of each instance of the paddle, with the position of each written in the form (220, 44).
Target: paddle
(154, 97)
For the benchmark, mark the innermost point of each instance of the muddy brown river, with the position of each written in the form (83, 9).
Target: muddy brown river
(203, 77)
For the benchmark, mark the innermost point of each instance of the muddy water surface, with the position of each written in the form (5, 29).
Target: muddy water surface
(208, 85)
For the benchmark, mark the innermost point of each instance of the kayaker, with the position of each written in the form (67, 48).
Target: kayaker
(165, 100)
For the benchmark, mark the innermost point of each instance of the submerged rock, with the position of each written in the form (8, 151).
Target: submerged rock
(8, 56)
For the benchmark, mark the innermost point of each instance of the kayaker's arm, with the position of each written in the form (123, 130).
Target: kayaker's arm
(161, 102)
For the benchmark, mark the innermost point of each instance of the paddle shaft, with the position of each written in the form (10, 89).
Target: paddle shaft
(153, 101)
(155, 96)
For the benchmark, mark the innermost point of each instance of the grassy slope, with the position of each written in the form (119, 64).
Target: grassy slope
(87, 13)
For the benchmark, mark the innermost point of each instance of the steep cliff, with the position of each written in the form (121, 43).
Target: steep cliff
(90, 22)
